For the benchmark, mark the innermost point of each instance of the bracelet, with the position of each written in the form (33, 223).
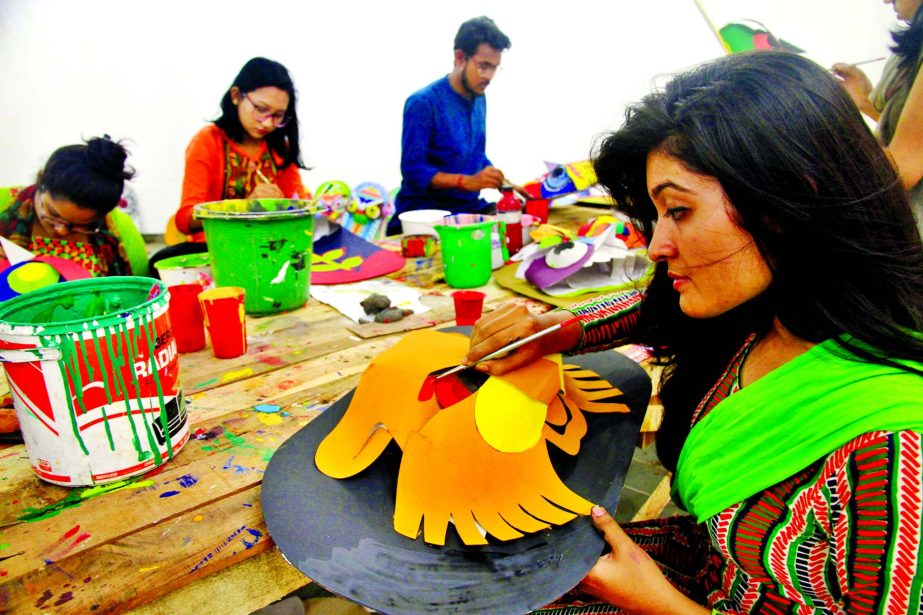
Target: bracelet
(458, 182)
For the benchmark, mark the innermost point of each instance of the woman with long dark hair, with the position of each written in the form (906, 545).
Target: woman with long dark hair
(896, 103)
(787, 309)
(251, 151)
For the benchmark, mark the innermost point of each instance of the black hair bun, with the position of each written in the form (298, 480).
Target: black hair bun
(107, 157)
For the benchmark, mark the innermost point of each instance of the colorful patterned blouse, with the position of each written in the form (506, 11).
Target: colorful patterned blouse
(841, 536)
(101, 254)
(217, 168)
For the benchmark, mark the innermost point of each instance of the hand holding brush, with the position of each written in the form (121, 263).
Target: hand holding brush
(265, 189)
(512, 336)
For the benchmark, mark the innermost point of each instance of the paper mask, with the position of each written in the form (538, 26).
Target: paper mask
(481, 462)
(606, 254)
(364, 210)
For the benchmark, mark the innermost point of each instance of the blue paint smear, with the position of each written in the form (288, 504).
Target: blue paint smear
(267, 408)
(169, 494)
(187, 480)
(256, 538)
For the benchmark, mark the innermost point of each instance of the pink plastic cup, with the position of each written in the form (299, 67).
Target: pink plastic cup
(468, 306)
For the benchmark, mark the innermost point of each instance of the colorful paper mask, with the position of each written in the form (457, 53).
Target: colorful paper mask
(333, 197)
(562, 179)
(364, 210)
(606, 254)
(750, 34)
(340, 533)
(481, 462)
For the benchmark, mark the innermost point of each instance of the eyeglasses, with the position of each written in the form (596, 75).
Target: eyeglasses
(262, 113)
(486, 69)
(49, 217)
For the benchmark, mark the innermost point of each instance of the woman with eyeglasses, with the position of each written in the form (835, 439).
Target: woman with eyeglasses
(250, 151)
(65, 213)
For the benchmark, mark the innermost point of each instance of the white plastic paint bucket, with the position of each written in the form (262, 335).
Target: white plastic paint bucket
(93, 372)
(187, 269)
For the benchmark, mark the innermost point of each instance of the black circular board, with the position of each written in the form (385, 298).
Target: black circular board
(340, 534)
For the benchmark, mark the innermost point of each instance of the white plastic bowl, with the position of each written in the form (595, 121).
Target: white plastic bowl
(421, 221)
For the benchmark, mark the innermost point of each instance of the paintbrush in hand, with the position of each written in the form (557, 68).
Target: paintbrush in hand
(868, 61)
(261, 176)
(508, 185)
(512, 346)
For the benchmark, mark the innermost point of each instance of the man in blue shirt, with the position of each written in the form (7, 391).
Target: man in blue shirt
(443, 163)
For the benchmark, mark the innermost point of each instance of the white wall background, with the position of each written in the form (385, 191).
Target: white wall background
(152, 73)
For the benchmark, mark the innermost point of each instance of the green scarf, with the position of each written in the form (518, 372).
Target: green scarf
(789, 419)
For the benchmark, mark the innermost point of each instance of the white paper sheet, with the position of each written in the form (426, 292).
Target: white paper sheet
(345, 298)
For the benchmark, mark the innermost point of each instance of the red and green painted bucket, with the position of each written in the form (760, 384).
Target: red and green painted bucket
(262, 246)
(93, 372)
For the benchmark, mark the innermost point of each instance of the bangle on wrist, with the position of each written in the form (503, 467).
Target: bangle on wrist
(458, 182)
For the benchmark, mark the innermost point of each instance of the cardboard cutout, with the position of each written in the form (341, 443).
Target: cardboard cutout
(497, 423)
(749, 34)
(21, 271)
(340, 257)
(341, 534)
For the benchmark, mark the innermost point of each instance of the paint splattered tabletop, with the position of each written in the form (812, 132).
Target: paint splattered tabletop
(192, 530)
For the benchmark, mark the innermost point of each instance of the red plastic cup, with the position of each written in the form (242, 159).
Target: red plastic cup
(538, 208)
(186, 318)
(416, 246)
(468, 306)
(223, 308)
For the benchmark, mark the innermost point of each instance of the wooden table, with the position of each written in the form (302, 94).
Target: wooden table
(190, 536)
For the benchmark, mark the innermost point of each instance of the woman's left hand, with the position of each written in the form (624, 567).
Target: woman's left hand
(628, 578)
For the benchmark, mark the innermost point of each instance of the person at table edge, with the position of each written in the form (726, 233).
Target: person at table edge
(443, 159)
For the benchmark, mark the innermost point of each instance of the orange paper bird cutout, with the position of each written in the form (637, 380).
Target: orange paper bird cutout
(450, 472)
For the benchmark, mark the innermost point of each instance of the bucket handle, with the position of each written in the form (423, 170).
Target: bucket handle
(502, 232)
(30, 355)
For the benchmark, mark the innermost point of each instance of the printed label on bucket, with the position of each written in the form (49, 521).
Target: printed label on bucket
(109, 408)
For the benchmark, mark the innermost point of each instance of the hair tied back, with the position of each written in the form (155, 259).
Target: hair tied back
(107, 157)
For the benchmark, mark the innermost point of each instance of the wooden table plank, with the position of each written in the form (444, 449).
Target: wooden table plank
(233, 466)
(296, 382)
(243, 588)
(145, 564)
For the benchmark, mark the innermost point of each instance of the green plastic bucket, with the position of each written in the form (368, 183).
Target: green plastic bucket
(466, 248)
(262, 246)
(94, 376)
